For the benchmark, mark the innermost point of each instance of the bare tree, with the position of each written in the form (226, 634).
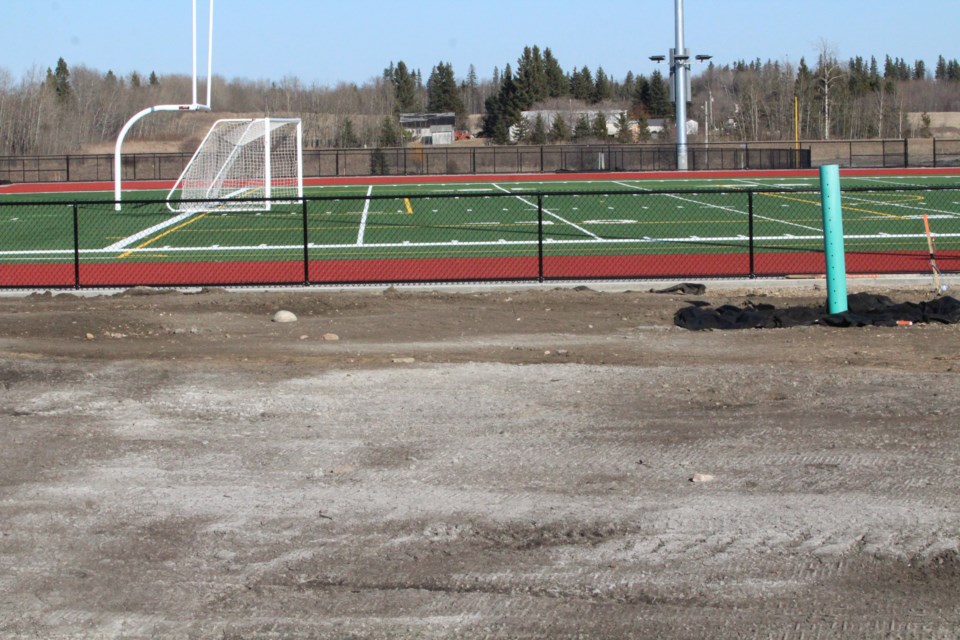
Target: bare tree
(829, 72)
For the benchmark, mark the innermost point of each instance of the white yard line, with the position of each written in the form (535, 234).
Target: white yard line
(730, 209)
(363, 218)
(550, 213)
(122, 244)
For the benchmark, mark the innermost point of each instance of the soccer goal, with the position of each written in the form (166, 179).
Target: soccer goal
(243, 165)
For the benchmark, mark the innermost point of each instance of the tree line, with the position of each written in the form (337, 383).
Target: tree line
(66, 109)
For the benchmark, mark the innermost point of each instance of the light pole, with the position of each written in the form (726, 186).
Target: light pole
(679, 68)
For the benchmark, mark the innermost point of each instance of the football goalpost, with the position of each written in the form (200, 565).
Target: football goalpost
(193, 106)
(243, 165)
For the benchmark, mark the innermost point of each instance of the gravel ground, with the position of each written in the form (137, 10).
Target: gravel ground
(476, 464)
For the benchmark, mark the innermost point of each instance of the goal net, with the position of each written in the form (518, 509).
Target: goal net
(243, 165)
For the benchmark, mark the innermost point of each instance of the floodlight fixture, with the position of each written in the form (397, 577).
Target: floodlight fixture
(658, 58)
(703, 57)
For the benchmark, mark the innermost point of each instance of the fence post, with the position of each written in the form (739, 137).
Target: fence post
(539, 237)
(906, 152)
(753, 273)
(76, 245)
(306, 244)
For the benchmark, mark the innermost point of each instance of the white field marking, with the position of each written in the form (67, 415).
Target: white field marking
(122, 244)
(611, 222)
(363, 216)
(910, 206)
(295, 247)
(630, 186)
(732, 210)
(882, 181)
(550, 213)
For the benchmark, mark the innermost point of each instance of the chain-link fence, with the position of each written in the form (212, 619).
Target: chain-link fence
(472, 160)
(480, 233)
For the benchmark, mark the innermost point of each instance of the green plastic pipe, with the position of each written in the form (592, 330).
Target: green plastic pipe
(833, 238)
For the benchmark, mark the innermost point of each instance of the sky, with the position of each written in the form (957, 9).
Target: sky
(326, 42)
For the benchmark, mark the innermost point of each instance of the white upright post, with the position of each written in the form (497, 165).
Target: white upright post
(210, 59)
(299, 158)
(194, 52)
(267, 173)
(193, 106)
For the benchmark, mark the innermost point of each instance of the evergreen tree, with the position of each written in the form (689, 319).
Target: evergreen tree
(602, 87)
(659, 95)
(582, 130)
(626, 90)
(599, 126)
(521, 131)
(531, 77)
(953, 70)
(624, 134)
(557, 85)
(919, 70)
(941, 70)
(390, 133)
(442, 92)
(154, 80)
(581, 84)
(59, 80)
(559, 131)
(405, 89)
(346, 136)
(539, 133)
(641, 95)
(472, 90)
(135, 81)
(502, 109)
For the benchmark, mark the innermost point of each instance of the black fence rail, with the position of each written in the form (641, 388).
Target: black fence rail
(475, 234)
(473, 160)
(425, 160)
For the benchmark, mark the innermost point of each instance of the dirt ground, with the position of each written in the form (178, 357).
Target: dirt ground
(473, 464)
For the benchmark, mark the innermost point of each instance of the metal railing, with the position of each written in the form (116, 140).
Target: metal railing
(425, 160)
(457, 160)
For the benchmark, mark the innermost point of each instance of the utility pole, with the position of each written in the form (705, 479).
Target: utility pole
(679, 74)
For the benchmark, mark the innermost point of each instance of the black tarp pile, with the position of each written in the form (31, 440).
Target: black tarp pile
(863, 309)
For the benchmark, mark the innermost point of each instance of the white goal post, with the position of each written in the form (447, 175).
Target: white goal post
(193, 106)
(243, 165)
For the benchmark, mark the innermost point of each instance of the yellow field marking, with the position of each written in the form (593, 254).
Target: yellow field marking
(406, 203)
(154, 239)
(844, 206)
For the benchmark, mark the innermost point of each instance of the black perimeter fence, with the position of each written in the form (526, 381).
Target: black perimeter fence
(483, 160)
(472, 237)
(426, 160)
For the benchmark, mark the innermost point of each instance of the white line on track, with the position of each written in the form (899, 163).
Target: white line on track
(363, 216)
(40, 253)
(550, 213)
